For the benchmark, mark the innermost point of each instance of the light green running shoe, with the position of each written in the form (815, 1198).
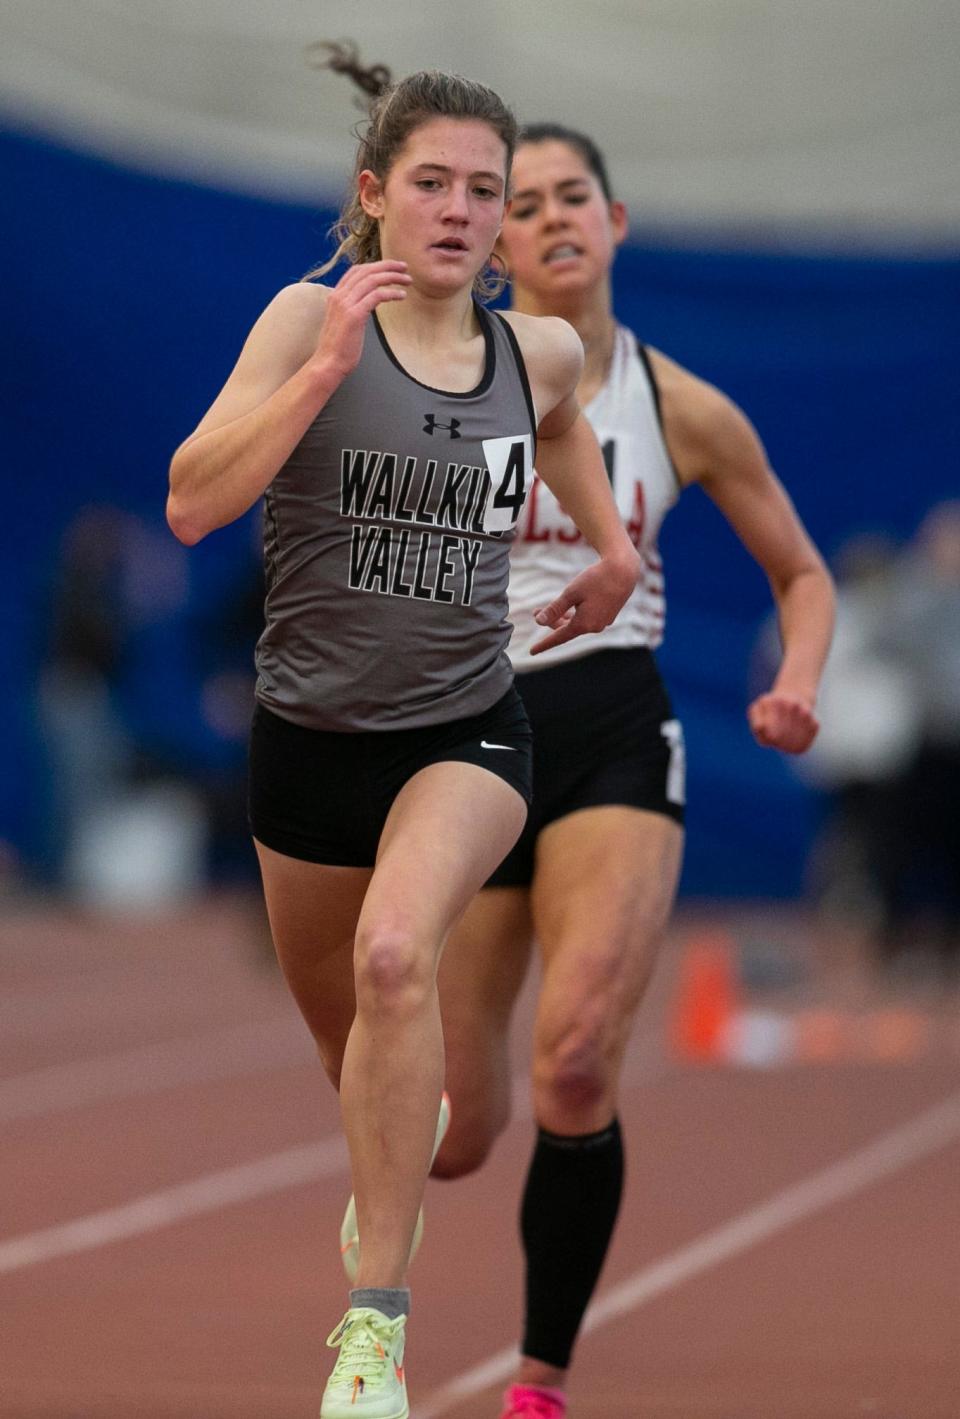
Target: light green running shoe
(349, 1235)
(368, 1380)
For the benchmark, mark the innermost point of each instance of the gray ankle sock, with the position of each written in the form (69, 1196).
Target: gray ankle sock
(393, 1301)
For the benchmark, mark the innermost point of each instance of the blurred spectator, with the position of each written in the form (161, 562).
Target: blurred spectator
(888, 752)
(924, 636)
(122, 828)
(225, 642)
(89, 751)
(869, 734)
(144, 703)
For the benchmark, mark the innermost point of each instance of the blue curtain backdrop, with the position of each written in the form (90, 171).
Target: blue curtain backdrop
(126, 297)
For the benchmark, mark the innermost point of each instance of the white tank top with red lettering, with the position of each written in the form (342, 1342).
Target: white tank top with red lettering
(549, 551)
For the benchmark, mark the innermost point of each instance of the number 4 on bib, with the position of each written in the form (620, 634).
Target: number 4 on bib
(510, 464)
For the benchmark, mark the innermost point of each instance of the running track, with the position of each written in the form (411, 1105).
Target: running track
(173, 1179)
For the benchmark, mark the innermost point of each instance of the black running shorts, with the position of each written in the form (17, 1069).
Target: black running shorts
(324, 796)
(603, 733)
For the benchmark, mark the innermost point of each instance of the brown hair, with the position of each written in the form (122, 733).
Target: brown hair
(395, 111)
(583, 145)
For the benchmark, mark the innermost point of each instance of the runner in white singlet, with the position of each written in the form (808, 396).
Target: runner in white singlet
(594, 874)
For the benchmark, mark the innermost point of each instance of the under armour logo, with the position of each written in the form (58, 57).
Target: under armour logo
(431, 423)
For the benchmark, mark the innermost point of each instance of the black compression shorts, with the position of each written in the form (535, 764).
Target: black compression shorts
(603, 733)
(324, 796)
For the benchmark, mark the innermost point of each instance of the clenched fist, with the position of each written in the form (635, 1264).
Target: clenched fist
(780, 721)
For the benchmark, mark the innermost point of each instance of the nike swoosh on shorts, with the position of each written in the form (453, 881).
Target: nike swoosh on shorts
(485, 745)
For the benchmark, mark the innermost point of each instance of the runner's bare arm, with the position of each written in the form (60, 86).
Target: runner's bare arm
(301, 348)
(713, 443)
(570, 463)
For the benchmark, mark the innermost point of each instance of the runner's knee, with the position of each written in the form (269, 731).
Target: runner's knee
(392, 972)
(576, 1072)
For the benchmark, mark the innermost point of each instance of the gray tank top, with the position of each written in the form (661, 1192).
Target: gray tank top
(386, 540)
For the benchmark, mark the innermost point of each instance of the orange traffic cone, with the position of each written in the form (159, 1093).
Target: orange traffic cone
(706, 1001)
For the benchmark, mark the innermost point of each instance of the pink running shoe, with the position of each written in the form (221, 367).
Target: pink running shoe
(533, 1402)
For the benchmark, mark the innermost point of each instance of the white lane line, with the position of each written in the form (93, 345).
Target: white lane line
(307, 1162)
(888, 1154)
(149, 1069)
(291, 1168)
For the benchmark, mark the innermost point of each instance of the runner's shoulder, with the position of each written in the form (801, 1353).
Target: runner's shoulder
(550, 343)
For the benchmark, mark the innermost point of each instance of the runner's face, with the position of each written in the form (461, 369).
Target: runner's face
(441, 207)
(560, 234)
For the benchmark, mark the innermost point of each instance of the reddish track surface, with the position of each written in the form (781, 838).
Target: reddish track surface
(173, 1181)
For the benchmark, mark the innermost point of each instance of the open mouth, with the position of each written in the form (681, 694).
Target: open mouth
(566, 251)
(450, 244)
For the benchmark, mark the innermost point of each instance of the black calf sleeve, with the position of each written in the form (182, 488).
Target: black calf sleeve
(570, 1205)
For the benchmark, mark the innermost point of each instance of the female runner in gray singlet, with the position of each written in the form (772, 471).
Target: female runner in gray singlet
(349, 408)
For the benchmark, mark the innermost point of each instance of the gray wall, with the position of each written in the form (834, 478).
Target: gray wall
(772, 119)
